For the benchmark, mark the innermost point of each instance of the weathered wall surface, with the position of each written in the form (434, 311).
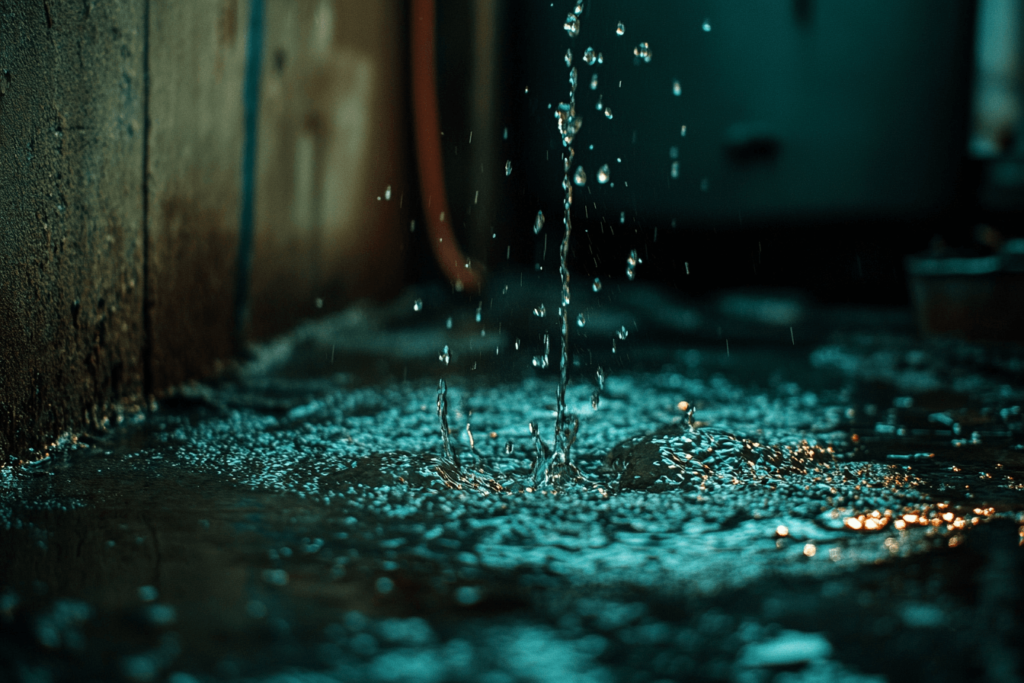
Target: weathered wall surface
(71, 250)
(122, 130)
(331, 142)
(197, 65)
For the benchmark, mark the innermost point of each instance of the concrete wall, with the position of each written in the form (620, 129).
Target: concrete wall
(121, 163)
(71, 215)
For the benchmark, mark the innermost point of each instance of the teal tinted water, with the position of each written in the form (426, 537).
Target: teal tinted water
(293, 522)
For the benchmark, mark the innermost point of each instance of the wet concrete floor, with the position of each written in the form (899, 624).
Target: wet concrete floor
(846, 506)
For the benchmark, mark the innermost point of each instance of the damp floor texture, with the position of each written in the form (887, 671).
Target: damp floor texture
(845, 504)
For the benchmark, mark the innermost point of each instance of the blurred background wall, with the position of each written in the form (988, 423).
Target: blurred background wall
(180, 178)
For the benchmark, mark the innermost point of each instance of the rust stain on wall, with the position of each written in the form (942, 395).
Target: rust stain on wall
(192, 269)
(195, 151)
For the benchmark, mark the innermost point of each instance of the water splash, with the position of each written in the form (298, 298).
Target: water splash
(449, 456)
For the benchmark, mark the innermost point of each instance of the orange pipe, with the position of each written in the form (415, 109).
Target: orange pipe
(427, 131)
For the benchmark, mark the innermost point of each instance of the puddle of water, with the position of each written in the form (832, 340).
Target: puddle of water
(275, 523)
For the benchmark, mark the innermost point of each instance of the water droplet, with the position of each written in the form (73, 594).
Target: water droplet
(597, 284)
(631, 263)
(508, 168)
(615, 348)
(600, 377)
(387, 193)
(572, 25)
(509, 448)
(580, 177)
(581, 320)
(608, 112)
(593, 82)
(622, 332)
(677, 88)
(673, 152)
(674, 171)
(682, 131)
(589, 56)
(603, 174)
(448, 323)
(643, 51)
(538, 223)
(620, 29)
(517, 343)
(578, 10)
(445, 356)
(568, 57)
(622, 217)
(417, 305)
(542, 361)
(707, 26)
(479, 311)
(573, 79)
(704, 185)
(600, 105)
(595, 400)
(540, 311)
